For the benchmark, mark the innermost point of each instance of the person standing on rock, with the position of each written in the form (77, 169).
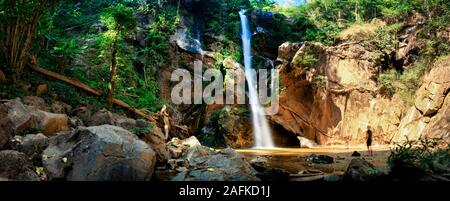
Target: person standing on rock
(369, 141)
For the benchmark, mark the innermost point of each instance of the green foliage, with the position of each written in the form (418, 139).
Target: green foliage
(222, 18)
(411, 76)
(320, 81)
(322, 20)
(66, 49)
(405, 83)
(158, 47)
(64, 92)
(420, 154)
(395, 8)
(263, 5)
(11, 90)
(118, 18)
(386, 81)
(146, 93)
(385, 38)
(234, 53)
(307, 60)
(434, 48)
(142, 131)
(19, 21)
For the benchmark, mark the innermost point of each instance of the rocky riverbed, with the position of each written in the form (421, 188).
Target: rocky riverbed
(40, 144)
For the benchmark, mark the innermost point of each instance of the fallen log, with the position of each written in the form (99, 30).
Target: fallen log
(71, 81)
(131, 108)
(88, 89)
(130, 95)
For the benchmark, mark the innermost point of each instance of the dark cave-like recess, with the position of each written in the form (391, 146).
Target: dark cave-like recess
(284, 138)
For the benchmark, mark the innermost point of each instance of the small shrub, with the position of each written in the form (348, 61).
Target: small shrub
(10, 91)
(307, 60)
(320, 81)
(386, 81)
(142, 131)
(418, 154)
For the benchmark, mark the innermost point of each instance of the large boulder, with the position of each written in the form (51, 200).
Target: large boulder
(36, 102)
(158, 142)
(15, 166)
(34, 144)
(99, 153)
(60, 108)
(260, 163)
(101, 117)
(105, 117)
(431, 94)
(411, 127)
(439, 125)
(206, 164)
(361, 170)
(19, 115)
(51, 123)
(6, 130)
(124, 122)
(286, 51)
(23, 118)
(321, 159)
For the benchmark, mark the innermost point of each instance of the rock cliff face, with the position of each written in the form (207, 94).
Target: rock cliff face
(430, 115)
(333, 99)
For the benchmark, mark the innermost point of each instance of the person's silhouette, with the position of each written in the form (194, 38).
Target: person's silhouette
(369, 141)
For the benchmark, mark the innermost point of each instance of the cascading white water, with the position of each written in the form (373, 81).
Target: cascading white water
(261, 130)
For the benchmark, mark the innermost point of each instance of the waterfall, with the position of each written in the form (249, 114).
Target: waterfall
(261, 130)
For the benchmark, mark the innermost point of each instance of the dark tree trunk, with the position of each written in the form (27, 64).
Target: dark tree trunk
(113, 71)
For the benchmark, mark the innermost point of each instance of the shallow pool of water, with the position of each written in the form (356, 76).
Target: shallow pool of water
(296, 159)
